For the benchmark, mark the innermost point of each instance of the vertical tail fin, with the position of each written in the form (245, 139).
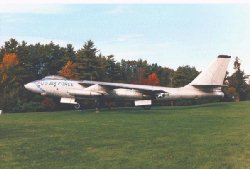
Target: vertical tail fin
(214, 74)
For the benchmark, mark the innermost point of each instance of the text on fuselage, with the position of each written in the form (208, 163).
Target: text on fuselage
(53, 83)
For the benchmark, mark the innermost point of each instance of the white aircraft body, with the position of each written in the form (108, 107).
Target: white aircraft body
(207, 84)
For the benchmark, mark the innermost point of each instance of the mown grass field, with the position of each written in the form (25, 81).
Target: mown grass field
(205, 136)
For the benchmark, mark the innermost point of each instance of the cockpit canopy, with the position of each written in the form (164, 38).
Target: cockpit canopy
(54, 77)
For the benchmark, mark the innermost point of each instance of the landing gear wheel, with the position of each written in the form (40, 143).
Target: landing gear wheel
(147, 107)
(77, 106)
(97, 105)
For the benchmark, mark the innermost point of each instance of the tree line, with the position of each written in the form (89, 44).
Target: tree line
(21, 63)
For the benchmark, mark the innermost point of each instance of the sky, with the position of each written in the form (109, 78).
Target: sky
(169, 34)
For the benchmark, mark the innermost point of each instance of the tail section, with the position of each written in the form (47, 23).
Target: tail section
(214, 75)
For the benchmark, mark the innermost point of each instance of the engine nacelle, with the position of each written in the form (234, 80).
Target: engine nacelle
(128, 93)
(77, 92)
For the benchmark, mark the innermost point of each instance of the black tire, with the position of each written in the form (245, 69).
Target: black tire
(77, 106)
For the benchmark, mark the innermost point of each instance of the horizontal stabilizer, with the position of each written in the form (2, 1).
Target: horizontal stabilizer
(209, 86)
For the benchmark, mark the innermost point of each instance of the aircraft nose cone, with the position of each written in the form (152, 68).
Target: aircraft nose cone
(32, 87)
(28, 86)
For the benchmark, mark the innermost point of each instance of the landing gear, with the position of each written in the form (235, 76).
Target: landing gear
(97, 104)
(146, 107)
(77, 106)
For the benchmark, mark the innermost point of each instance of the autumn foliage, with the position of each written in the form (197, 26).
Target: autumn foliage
(9, 60)
(69, 70)
(153, 80)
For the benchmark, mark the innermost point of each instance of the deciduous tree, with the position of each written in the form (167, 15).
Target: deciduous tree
(10, 60)
(69, 70)
(153, 80)
(10, 81)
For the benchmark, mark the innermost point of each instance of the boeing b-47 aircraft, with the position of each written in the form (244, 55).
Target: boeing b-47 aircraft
(207, 84)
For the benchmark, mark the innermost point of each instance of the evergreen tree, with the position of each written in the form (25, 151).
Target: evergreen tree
(113, 73)
(184, 75)
(87, 62)
(237, 81)
(165, 75)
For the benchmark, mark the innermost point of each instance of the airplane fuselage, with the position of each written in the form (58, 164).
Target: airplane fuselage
(66, 88)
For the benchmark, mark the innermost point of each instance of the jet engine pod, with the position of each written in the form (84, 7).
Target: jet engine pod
(128, 93)
(77, 92)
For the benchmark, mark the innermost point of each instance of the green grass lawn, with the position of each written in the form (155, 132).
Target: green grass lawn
(205, 136)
